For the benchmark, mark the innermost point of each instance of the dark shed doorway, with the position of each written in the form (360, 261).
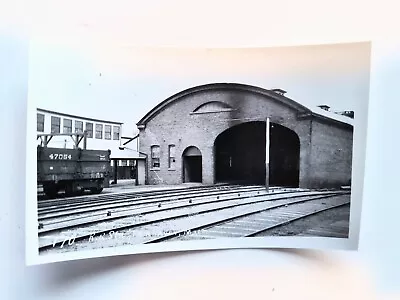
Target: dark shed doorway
(240, 155)
(192, 165)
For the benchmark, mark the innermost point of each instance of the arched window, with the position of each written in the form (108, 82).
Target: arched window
(212, 106)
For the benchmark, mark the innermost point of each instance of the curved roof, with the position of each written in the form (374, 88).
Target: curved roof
(301, 109)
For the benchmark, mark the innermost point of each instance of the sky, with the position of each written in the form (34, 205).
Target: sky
(120, 83)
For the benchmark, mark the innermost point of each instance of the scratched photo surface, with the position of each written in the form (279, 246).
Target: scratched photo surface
(162, 149)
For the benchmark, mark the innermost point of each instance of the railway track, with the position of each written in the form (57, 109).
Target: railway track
(128, 198)
(151, 203)
(137, 228)
(149, 207)
(124, 195)
(253, 224)
(81, 201)
(70, 214)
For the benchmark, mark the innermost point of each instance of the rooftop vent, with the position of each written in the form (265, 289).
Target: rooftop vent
(324, 107)
(347, 113)
(279, 91)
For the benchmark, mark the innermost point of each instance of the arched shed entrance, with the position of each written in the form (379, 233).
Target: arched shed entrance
(240, 155)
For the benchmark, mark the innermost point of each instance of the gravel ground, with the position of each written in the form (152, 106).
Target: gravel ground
(321, 222)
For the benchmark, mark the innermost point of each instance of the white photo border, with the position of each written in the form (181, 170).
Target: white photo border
(318, 243)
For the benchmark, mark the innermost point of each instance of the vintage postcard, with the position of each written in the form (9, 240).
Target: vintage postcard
(140, 150)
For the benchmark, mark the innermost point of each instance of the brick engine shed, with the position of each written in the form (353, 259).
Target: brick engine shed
(216, 133)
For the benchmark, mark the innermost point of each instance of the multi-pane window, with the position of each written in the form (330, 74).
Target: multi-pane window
(99, 131)
(155, 156)
(55, 124)
(107, 132)
(78, 126)
(40, 122)
(116, 133)
(89, 129)
(67, 125)
(124, 163)
(171, 156)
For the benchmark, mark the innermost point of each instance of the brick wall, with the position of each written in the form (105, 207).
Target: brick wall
(178, 125)
(331, 155)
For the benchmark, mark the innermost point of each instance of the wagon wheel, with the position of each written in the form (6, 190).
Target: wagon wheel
(96, 190)
(51, 191)
(69, 190)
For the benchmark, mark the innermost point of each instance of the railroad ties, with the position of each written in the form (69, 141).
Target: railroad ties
(138, 217)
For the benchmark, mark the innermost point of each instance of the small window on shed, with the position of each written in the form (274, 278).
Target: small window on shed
(171, 154)
(155, 156)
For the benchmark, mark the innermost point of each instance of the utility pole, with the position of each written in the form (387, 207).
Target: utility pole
(267, 146)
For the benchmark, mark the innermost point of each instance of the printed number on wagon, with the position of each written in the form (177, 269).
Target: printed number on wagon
(60, 156)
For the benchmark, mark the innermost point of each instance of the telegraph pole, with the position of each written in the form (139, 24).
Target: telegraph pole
(267, 146)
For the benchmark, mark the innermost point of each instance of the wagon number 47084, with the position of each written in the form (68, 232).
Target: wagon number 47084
(60, 156)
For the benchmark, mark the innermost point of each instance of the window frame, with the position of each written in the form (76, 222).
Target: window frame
(65, 120)
(118, 131)
(99, 131)
(105, 132)
(89, 131)
(41, 122)
(53, 125)
(78, 122)
(155, 158)
(171, 165)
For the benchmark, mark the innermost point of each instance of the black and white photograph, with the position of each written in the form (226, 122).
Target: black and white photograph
(157, 149)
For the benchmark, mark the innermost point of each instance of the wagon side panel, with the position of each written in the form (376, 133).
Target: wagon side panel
(57, 164)
(95, 164)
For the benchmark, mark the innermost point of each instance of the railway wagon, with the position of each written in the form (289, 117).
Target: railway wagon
(72, 170)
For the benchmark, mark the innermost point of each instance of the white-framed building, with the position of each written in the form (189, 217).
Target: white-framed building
(101, 135)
